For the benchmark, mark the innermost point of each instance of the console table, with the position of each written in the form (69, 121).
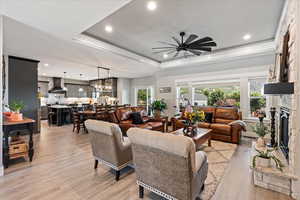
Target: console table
(8, 127)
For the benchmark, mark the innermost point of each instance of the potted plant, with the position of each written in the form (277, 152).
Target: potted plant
(263, 159)
(157, 107)
(261, 130)
(16, 107)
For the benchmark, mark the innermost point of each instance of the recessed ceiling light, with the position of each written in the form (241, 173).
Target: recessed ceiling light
(247, 37)
(108, 28)
(46, 64)
(151, 5)
(44, 74)
(165, 56)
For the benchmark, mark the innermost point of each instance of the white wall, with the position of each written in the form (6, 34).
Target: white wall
(1, 96)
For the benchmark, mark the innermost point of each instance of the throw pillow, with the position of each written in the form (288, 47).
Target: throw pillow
(208, 117)
(136, 118)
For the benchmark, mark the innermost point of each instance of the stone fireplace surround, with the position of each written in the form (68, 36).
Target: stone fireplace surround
(290, 21)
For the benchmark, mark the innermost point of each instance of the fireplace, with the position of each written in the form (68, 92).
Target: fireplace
(284, 131)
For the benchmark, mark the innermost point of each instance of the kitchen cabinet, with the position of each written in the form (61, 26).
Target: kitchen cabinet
(73, 91)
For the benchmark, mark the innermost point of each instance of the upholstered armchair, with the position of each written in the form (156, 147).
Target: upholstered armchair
(168, 165)
(109, 146)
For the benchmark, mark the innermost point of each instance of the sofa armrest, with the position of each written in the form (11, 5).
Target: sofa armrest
(200, 159)
(236, 130)
(126, 144)
(240, 116)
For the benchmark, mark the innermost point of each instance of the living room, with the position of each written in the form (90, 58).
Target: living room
(99, 105)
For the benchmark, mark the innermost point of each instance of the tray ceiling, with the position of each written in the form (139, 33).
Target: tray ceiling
(138, 30)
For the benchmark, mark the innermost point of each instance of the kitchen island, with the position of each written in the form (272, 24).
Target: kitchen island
(60, 114)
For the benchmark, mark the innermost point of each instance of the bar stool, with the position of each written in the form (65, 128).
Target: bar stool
(78, 122)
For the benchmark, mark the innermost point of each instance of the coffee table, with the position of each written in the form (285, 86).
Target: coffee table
(200, 138)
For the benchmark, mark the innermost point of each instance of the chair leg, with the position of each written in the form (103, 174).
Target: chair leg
(117, 175)
(141, 192)
(84, 128)
(96, 164)
(78, 128)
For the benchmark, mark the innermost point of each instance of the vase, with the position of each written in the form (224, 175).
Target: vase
(157, 114)
(15, 116)
(263, 162)
(260, 143)
(189, 129)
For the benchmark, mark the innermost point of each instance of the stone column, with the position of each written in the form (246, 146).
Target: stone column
(296, 117)
(1, 93)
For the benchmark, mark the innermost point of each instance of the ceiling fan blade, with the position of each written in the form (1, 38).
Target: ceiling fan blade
(163, 48)
(212, 44)
(171, 52)
(196, 47)
(174, 45)
(197, 53)
(190, 39)
(176, 40)
(202, 40)
(176, 54)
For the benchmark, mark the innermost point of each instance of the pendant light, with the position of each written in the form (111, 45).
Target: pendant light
(80, 89)
(108, 76)
(98, 85)
(65, 88)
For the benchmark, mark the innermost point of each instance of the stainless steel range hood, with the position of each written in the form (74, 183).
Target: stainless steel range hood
(57, 86)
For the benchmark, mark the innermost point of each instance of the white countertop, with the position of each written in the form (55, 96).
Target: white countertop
(59, 106)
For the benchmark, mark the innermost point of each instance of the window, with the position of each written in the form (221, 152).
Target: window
(182, 97)
(257, 98)
(144, 97)
(217, 96)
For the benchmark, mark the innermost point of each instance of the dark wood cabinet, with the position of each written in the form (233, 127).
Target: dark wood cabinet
(73, 90)
(23, 85)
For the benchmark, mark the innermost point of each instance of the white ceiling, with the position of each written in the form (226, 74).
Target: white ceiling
(139, 30)
(66, 56)
(45, 30)
(63, 18)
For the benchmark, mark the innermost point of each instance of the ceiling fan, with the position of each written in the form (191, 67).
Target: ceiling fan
(190, 46)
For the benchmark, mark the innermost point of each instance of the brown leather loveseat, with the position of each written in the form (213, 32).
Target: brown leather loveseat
(220, 125)
(122, 116)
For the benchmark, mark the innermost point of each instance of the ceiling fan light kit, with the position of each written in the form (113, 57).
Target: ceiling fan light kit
(190, 46)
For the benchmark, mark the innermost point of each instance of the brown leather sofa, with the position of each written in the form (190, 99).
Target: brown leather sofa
(122, 117)
(221, 127)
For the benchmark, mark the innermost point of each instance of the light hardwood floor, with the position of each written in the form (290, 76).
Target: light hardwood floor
(62, 169)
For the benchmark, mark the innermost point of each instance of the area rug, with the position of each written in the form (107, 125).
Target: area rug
(218, 155)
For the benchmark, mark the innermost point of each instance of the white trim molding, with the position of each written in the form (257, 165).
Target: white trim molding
(246, 51)
(104, 46)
